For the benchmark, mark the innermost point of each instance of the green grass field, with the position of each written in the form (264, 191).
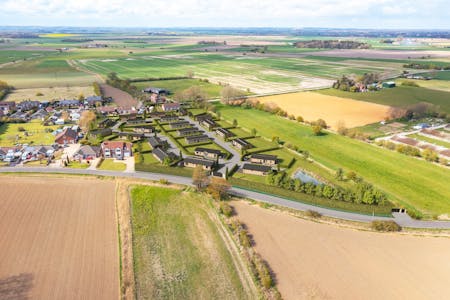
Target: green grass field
(111, 165)
(175, 86)
(430, 140)
(407, 181)
(398, 96)
(178, 252)
(34, 133)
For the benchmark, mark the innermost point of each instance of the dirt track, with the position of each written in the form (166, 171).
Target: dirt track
(320, 261)
(58, 239)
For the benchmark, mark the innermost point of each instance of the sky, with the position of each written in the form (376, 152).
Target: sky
(377, 14)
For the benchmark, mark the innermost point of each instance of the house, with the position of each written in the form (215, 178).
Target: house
(388, 84)
(160, 154)
(208, 153)
(241, 144)
(209, 124)
(100, 133)
(188, 131)
(256, 169)
(69, 103)
(7, 106)
(135, 120)
(144, 129)
(155, 142)
(93, 101)
(182, 124)
(156, 99)
(202, 117)
(2, 154)
(224, 133)
(105, 123)
(192, 162)
(196, 139)
(169, 119)
(264, 159)
(88, 152)
(108, 110)
(28, 105)
(117, 149)
(40, 114)
(46, 151)
(67, 136)
(130, 136)
(174, 106)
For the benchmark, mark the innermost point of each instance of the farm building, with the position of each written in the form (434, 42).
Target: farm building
(155, 90)
(224, 133)
(144, 129)
(117, 149)
(174, 106)
(388, 84)
(256, 169)
(241, 144)
(67, 136)
(197, 139)
(192, 162)
(264, 159)
(87, 152)
(208, 153)
(178, 125)
(188, 131)
(209, 124)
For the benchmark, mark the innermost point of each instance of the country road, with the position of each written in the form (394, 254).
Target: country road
(402, 219)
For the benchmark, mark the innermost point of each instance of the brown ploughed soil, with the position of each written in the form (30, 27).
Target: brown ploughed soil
(121, 98)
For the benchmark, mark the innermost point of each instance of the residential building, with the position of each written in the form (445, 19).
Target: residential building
(117, 149)
(224, 133)
(202, 117)
(160, 154)
(130, 136)
(155, 142)
(67, 136)
(209, 124)
(100, 133)
(241, 144)
(28, 105)
(188, 131)
(69, 103)
(264, 159)
(144, 129)
(93, 101)
(169, 118)
(196, 139)
(88, 152)
(181, 124)
(173, 106)
(256, 169)
(7, 106)
(192, 162)
(208, 153)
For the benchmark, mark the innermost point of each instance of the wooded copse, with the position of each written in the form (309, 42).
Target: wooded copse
(331, 44)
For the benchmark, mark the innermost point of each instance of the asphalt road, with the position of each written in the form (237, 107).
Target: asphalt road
(401, 219)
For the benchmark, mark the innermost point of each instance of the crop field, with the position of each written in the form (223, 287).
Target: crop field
(313, 106)
(34, 133)
(7, 56)
(59, 239)
(407, 181)
(175, 86)
(53, 93)
(399, 96)
(440, 85)
(179, 249)
(121, 98)
(301, 253)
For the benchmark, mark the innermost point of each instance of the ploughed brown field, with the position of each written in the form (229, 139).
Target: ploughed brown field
(313, 106)
(58, 239)
(120, 98)
(320, 261)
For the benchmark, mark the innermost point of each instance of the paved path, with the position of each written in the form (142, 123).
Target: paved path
(402, 219)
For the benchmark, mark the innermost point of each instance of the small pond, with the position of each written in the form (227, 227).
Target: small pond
(306, 178)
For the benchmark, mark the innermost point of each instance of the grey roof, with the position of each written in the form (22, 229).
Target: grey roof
(154, 141)
(225, 131)
(264, 156)
(253, 167)
(241, 142)
(158, 152)
(88, 150)
(196, 137)
(199, 161)
(94, 98)
(201, 149)
(155, 90)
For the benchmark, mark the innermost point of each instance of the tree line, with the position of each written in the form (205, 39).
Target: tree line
(331, 44)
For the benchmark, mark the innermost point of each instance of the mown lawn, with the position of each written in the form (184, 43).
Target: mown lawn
(111, 165)
(35, 133)
(178, 252)
(407, 181)
(399, 96)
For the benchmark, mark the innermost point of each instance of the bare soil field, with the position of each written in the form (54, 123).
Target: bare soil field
(52, 93)
(320, 261)
(119, 97)
(312, 106)
(58, 239)
(381, 54)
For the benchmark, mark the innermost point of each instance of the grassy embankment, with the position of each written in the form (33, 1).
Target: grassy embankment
(178, 252)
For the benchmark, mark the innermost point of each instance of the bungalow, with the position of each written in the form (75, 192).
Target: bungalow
(69, 103)
(188, 131)
(224, 133)
(174, 106)
(209, 124)
(202, 117)
(105, 123)
(144, 129)
(264, 159)
(100, 133)
(107, 110)
(117, 149)
(40, 114)
(196, 139)
(28, 105)
(241, 144)
(155, 142)
(93, 101)
(87, 152)
(46, 151)
(67, 136)
(182, 124)
(7, 106)
(192, 162)
(160, 154)
(135, 120)
(256, 169)
(169, 118)
(208, 153)
(130, 136)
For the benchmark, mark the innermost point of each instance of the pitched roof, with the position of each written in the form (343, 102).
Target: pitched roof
(264, 156)
(68, 132)
(199, 161)
(253, 167)
(88, 150)
(154, 141)
(116, 144)
(196, 137)
(160, 153)
(201, 149)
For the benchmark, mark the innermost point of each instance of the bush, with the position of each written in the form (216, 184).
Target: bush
(164, 181)
(244, 239)
(410, 83)
(39, 94)
(313, 214)
(225, 209)
(385, 226)
(21, 129)
(414, 214)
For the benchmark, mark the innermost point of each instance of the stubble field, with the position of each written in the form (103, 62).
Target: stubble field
(320, 261)
(58, 239)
